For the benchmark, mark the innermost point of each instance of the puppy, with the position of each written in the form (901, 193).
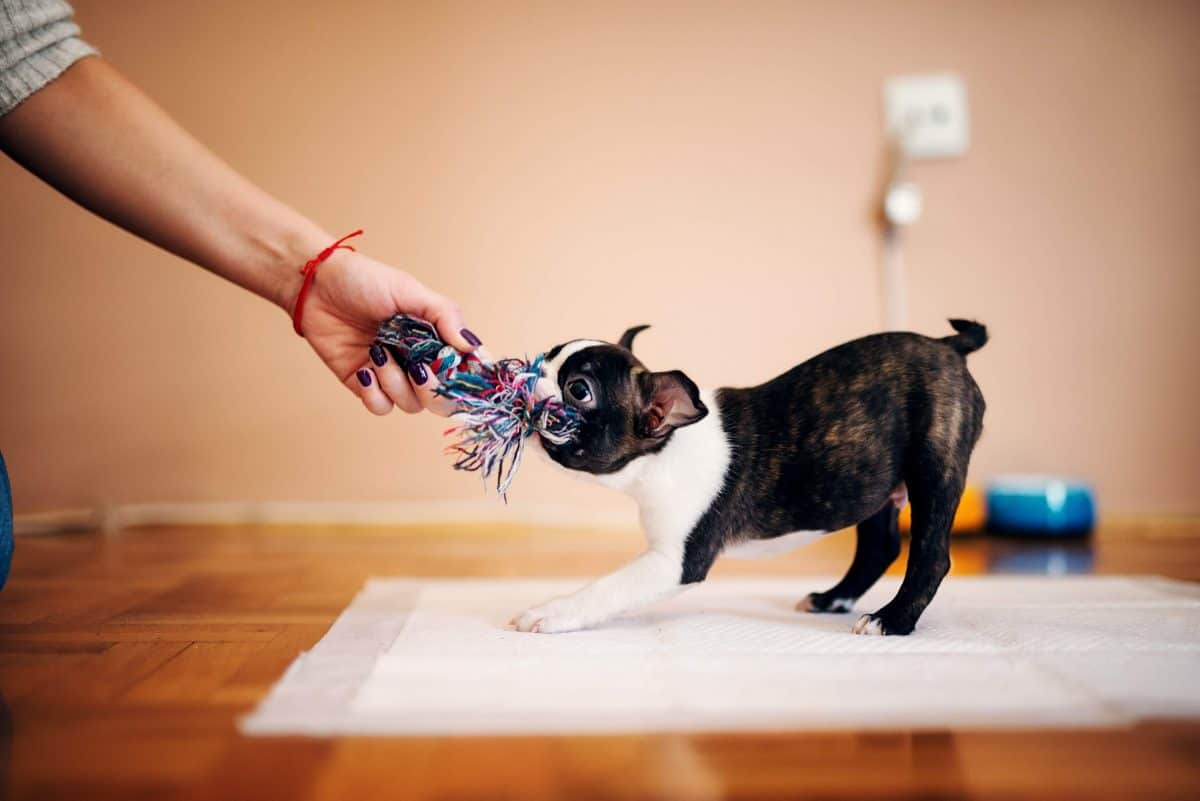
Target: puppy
(842, 439)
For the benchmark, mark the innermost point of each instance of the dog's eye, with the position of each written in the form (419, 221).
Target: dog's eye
(579, 390)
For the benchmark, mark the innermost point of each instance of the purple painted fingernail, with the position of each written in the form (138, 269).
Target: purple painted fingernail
(378, 355)
(469, 335)
(364, 377)
(418, 372)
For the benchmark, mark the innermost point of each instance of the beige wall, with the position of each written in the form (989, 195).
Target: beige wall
(568, 169)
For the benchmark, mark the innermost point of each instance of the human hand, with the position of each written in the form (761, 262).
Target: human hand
(350, 296)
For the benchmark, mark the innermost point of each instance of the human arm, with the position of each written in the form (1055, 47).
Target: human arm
(99, 140)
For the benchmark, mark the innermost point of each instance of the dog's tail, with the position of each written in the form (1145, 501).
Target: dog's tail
(971, 336)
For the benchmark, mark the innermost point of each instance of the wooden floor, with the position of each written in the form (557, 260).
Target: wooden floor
(125, 660)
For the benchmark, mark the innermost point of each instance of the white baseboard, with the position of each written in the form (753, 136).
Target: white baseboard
(489, 510)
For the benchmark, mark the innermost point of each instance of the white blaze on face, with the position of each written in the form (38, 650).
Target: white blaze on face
(547, 386)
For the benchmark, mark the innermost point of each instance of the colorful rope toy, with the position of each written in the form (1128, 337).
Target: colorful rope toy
(495, 402)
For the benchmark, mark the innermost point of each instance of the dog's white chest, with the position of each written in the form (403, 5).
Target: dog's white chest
(756, 549)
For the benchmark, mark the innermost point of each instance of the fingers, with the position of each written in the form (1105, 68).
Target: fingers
(365, 384)
(412, 390)
(425, 384)
(393, 380)
(447, 318)
(382, 383)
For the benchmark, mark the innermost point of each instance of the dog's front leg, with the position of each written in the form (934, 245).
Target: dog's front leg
(654, 575)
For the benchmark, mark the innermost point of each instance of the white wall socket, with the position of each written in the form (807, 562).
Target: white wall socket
(928, 113)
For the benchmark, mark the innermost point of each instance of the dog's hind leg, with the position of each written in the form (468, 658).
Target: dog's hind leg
(877, 546)
(935, 490)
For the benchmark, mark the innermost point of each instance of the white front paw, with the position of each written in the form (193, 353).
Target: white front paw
(550, 618)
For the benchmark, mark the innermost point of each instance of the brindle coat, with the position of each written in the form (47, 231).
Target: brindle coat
(821, 447)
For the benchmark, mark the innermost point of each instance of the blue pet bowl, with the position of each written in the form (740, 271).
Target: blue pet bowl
(1040, 506)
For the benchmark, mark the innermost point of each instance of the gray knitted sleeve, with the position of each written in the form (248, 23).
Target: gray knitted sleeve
(38, 41)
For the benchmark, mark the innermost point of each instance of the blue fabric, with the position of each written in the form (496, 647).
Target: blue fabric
(6, 523)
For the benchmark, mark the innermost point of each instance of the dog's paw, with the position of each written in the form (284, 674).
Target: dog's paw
(883, 623)
(870, 624)
(552, 617)
(823, 602)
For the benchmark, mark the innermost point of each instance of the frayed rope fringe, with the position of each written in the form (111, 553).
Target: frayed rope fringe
(496, 409)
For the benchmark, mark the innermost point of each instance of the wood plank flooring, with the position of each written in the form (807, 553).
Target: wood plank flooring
(126, 658)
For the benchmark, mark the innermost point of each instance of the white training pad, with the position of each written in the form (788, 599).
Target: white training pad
(417, 657)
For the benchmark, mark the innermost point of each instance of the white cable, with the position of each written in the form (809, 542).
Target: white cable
(901, 207)
(894, 303)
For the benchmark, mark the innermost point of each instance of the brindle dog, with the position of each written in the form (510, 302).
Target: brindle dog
(839, 440)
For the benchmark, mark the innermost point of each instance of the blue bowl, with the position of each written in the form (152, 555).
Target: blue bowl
(1043, 506)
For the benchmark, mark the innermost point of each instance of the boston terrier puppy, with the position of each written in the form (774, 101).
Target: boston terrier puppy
(846, 438)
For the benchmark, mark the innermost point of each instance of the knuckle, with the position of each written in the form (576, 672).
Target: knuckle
(445, 310)
(407, 403)
(378, 406)
(392, 386)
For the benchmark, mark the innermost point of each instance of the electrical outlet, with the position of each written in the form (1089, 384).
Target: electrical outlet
(928, 114)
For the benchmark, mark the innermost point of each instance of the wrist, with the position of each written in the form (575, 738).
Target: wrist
(283, 258)
(309, 274)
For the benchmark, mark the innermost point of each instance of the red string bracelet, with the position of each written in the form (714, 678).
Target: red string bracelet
(309, 270)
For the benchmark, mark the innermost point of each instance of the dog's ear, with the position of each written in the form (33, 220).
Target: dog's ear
(626, 340)
(671, 400)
